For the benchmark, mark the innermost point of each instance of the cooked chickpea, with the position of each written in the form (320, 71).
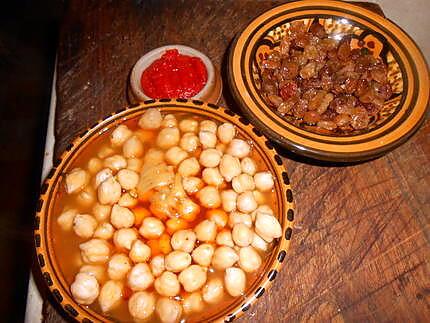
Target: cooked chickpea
(189, 125)
(151, 228)
(101, 212)
(98, 271)
(248, 166)
(118, 266)
(224, 238)
(259, 243)
(235, 281)
(120, 135)
(218, 216)
(168, 137)
(213, 291)
(110, 295)
(246, 202)
(102, 175)
(262, 208)
(224, 257)
(153, 157)
(267, 226)
(242, 183)
(177, 261)
(226, 132)
(104, 231)
(210, 157)
(140, 252)
(128, 179)
(203, 254)
(208, 125)
(209, 197)
(123, 238)
(242, 235)
(207, 139)
(121, 217)
(86, 197)
(167, 284)
(192, 184)
(109, 192)
(157, 265)
(105, 151)
(175, 155)
(229, 167)
(189, 167)
(189, 142)
(212, 176)
(168, 310)
(84, 225)
(134, 164)
(140, 277)
(238, 217)
(183, 240)
(132, 148)
(65, 220)
(76, 180)
(264, 181)
(249, 259)
(169, 121)
(95, 251)
(193, 278)
(151, 119)
(193, 303)
(206, 231)
(228, 200)
(128, 199)
(85, 289)
(239, 148)
(94, 165)
(115, 162)
(141, 305)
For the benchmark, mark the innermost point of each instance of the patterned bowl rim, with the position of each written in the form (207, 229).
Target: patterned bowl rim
(332, 148)
(48, 265)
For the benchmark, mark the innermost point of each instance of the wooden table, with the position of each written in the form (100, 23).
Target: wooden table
(360, 247)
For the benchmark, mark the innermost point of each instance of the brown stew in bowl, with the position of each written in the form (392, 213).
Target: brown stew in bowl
(322, 84)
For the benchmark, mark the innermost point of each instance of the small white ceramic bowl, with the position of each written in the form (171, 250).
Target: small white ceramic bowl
(211, 92)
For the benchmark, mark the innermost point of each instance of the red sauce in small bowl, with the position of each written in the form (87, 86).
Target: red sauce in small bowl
(174, 75)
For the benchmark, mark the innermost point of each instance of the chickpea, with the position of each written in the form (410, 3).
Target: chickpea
(110, 295)
(167, 138)
(193, 303)
(175, 155)
(109, 192)
(94, 165)
(267, 226)
(228, 200)
(115, 162)
(97, 271)
(259, 243)
(102, 175)
(213, 291)
(168, 310)
(212, 176)
(104, 231)
(133, 148)
(206, 231)
(101, 212)
(235, 281)
(118, 266)
(189, 125)
(167, 284)
(224, 238)
(226, 132)
(189, 167)
(229, 167)
(192, 184)
(95, 251)
(76, 180)
(237, 217)
(262, 208)
(207, 139)
(248, 166)
(239, 148)
(183, 240)
(140, 252)
(209, 197)
(134, 164)
(151, 228)
(121, 217)
(153, 157)
(128, 199)
(141, 305)
(128, 179)
(246, 202)
(177, 261)
(224, 257)
(151, 119)
(120, 135)
(86, 197)
(169, 121)
(189, 142)
(187, 209)
(242, 235)
(140, 277)
(208, 125)
(264, 181)
(218, 216)
(85, 288)
(123, 238)
(84, 225)
(203, 254)
(65, 220)
(157, 265)
(105, 151)
(193, 278)
(249, 259)
(242, 183)
(210, 157)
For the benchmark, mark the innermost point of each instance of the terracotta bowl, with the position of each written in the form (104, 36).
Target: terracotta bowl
(43, 234)
(408, 76)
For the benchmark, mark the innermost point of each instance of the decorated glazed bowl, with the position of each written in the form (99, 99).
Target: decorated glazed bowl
(401, 114)
(55, 265)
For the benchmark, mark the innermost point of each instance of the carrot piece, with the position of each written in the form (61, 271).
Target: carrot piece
(139, 214)
(218, 216)
(157, 211)
(176, 224)
(155, 247)
(145, 197)
(145, 135)
(164, 243)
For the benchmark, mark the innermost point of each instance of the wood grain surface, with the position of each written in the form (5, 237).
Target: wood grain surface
(360, 248)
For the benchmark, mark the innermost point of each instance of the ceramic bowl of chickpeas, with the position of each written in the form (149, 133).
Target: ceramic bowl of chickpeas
(168, 211)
